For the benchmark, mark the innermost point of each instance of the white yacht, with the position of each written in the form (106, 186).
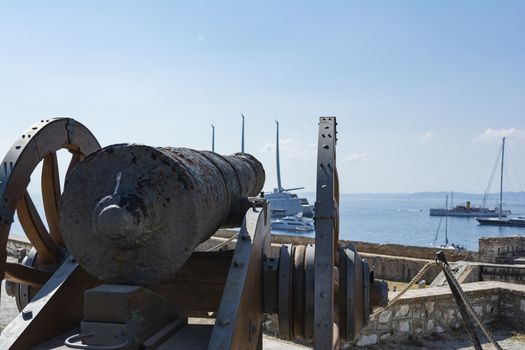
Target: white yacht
(293, 223)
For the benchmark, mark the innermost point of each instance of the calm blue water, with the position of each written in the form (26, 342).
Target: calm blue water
(404, 219)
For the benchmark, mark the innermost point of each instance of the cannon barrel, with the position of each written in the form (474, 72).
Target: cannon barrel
(134, 214)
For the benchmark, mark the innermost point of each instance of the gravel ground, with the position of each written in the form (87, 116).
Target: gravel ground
(8, 309)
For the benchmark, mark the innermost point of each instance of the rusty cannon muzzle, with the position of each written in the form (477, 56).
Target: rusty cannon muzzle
(134, 214)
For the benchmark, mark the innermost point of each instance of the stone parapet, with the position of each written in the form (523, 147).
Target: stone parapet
(425, 312)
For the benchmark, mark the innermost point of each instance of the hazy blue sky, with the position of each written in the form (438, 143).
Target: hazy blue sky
(422, 90)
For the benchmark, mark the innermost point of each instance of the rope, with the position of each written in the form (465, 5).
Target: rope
(448, 272)
(223, 243)
(414, 280)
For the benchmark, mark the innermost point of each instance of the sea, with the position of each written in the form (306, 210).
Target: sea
(403, 218)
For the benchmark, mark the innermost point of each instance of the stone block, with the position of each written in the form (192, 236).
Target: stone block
(402, 311)
(431, 325)
(419, 326)
(478, 309)
(448, 317)
(385, 336)
(418, 311)
(367, 340)
(429, 307)
(385, 316)
(404, 326)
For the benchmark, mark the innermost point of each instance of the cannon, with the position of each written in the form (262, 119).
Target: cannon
(118, 265)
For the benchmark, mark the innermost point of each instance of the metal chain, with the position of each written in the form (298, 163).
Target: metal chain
(446, 270)
(473, 314)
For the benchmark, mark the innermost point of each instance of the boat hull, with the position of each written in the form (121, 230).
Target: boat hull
(470, 214)
(506, 222)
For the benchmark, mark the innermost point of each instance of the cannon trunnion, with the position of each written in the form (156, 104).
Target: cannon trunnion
(118, 265)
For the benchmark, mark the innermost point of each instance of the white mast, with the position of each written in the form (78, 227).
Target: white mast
(242, 135)
(446, 221)
(212, 138)
(278, 163)
(501, 179)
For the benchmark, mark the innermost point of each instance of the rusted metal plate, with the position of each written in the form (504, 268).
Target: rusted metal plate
(309, 297)
(285, 291)
(142, 211)
(198, 285)
(238, 322)
(298, 298)
(271, 285)
(325, 236)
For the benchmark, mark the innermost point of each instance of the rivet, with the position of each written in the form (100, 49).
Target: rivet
(223, 321)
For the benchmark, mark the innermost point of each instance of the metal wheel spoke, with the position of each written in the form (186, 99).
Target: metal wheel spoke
(51, 195)
(48, 251)
(23, 274)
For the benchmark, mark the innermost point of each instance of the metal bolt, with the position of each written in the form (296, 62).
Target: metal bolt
(27, 314)
(223, 321)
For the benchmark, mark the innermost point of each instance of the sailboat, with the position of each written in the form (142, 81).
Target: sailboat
(447, 245)
(283, 202)
(501, 220)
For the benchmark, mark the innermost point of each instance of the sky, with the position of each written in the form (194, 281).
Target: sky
(423, 91)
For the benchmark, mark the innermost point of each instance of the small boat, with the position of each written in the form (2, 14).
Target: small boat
(447, 245)
(501, 220)
(293, 223)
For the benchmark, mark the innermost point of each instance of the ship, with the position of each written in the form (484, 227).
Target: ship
(467, 210)
(501, 220)
(293, 223)
(282, 201)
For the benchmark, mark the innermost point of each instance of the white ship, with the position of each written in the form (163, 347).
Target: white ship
(282, 202)
(293, 223)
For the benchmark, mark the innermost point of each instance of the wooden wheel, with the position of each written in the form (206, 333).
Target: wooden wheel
(39, 144)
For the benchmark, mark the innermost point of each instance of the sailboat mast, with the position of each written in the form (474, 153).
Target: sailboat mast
(242, 135)
(212, 138)
(501, 179)
(278, 165)
(446, 220)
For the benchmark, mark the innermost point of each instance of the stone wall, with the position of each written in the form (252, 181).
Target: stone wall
(425, 312)
(494, 249)
(400, 269)
(16, 242)
(374, 248)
